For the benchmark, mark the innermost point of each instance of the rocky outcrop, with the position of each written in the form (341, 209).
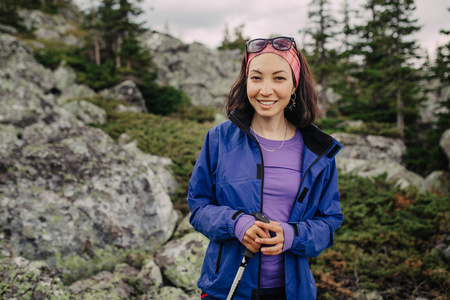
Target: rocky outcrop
(128, 92)
(205, 75)
(65, 187)
(52, 27)
(434, 101)
(66, 83)
(371, 156)
(181, 260)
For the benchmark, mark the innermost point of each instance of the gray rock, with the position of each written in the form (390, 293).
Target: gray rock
(181, 260)
(86, 112)
(9, 141)
(64, 187)
(438, 182)
(128, 92)
(66, 82)
(184, 227)
(104, 285)
(434, 101)
(371, 156)
(395, 173)
(8, 29)
(150, 276)
(370, 147)
(18, 64)
(21, 278)
(173, 293)
(160, 165)
(51, 27)
(205, 75)
(444, 142)
(367, 295)
(352, 124)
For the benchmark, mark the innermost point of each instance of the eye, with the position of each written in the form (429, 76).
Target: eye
(255, 77)
(279, 78)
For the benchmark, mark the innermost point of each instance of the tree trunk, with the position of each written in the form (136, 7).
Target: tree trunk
(118, 49)
(96, 48)
(323, 96)
(400, 113)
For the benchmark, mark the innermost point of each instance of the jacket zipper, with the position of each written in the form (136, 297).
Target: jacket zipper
(261, 211)
(219, 258)
(304, 176)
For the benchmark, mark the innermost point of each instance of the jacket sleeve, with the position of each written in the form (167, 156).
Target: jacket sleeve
(314, 235)
(216, 222)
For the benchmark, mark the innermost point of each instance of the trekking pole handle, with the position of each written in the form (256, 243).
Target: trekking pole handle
(259, 217)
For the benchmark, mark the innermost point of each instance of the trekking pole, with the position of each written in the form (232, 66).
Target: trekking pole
(247, 255)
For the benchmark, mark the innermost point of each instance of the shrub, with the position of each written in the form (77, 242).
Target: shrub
(387, 242)
(164, 100)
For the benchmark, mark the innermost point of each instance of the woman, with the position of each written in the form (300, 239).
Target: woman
(268, 158)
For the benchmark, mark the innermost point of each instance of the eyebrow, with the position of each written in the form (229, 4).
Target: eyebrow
(276, 72)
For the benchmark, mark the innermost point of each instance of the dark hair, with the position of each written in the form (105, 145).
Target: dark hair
(305, 110)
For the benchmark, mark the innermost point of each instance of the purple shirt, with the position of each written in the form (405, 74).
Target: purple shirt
(282, 175)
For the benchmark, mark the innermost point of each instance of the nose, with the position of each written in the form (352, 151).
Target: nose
(266, 89)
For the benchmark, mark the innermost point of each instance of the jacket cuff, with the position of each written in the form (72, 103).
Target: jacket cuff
(288, 236)
(243, 223)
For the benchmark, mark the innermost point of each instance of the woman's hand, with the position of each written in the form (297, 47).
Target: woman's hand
(276, 242)
(251, 235)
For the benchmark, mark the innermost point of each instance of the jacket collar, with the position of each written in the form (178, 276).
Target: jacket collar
(315, 139)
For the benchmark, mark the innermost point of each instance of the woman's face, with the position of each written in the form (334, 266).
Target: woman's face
(269, 85)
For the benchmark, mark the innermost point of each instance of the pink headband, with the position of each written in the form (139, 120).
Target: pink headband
(290, 56)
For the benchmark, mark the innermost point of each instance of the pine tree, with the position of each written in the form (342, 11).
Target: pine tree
(239, 41)
(341, 79)
(387, 74)
(322, 33)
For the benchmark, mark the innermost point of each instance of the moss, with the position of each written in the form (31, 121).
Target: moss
(78, 267)
(56, 218)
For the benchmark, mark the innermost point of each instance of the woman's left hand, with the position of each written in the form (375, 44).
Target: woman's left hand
(275, 243)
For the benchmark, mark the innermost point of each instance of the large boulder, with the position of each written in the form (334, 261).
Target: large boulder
(128, 92)
(160, 165)
(204, 74)
(370, 147)
(371, 156)
(181, 260)
(66, 83)
(434, 103)
(56, 27)
(66, 188)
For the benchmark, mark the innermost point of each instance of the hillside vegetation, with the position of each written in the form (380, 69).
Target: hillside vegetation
(393, 242)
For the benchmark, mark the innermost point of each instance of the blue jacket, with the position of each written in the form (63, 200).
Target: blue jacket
(228, 180)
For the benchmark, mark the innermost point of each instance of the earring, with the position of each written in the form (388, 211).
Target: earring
(292, 103)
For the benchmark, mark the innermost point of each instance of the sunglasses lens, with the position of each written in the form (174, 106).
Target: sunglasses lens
(282, 44)
(256, 45)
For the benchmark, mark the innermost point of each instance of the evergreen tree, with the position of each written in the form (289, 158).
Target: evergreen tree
(387, 74)
(114, 21)
(341, 79)
(322, 33)
(239, 41)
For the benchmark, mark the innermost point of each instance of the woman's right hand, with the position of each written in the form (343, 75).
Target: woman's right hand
(251, 235)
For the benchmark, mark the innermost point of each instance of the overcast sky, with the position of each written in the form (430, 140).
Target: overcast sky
(205, 21)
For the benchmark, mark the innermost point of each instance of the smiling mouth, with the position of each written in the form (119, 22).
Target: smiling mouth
(266, 102)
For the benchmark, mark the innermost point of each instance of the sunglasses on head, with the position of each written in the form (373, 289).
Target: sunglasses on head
(281, 43)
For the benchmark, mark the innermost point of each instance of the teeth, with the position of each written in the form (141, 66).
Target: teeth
(267, 102)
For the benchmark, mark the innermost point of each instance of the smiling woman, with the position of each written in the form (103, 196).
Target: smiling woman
(267, 163)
